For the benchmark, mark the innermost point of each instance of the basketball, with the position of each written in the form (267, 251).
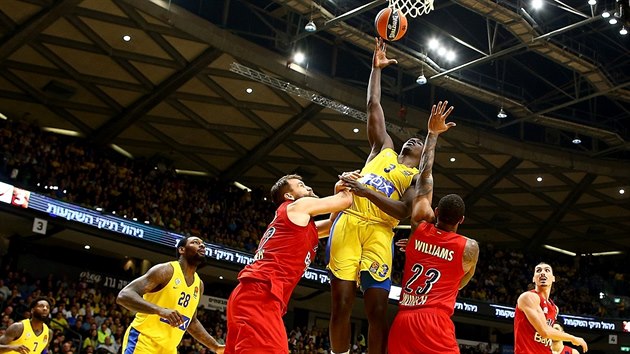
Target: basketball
(391, 24)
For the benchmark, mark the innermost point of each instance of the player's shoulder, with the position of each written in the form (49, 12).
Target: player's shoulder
(471, 243)
(161, 270)
(15, 330)
(528, 297)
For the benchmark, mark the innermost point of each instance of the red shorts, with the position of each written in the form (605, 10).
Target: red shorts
(254, 321)
(422, 332)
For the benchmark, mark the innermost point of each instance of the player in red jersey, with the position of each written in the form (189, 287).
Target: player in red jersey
(256, 306)
(558, 347)
(535, 315)
(438, 263)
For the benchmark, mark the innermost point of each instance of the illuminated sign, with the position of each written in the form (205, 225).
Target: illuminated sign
(127, 228)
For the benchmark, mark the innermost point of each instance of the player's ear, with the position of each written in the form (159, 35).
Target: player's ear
(461, 221)
(289, 196)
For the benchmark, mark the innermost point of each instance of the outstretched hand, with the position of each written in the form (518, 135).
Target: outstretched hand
(437, 121)
(380, 55)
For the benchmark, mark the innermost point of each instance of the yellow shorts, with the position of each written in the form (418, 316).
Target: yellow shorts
(135, 342)
(356, 245)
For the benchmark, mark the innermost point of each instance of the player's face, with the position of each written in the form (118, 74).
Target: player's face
(299, 189)
(195, 250)
(543, 275)
(413, 147)
(41, 310)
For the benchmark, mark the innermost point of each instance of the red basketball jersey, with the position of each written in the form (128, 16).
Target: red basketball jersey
(433, 269)
(526, 339)
(285, 251)
(567, 350)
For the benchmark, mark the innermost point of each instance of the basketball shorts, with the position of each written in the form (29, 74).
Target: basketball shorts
(135, 342)
(357, 245)
(254, 321)
(422, 332)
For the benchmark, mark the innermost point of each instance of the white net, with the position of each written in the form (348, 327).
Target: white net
(412, 8)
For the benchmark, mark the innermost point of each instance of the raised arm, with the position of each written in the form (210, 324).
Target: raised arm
(529, 303)
(155, 279)
(471, 256)
(421, 210)
(197, 330)
(377, 133)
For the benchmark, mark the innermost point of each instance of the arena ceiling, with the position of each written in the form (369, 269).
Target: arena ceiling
(173, 93)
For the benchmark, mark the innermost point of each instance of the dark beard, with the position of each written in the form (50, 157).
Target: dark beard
(39, 317)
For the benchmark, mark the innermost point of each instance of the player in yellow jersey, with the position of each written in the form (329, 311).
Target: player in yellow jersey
(166, 300)
(360, 244)
(30, 335)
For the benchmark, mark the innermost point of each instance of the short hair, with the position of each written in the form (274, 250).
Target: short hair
(451, 209)
(41, 298)
(545, 263)
(280, 187)
(181, 243)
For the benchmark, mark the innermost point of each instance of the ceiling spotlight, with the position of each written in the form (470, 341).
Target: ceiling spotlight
(126, 38)
(421, 80)
(249, 90)
(441, 51)
(576, 140)
(539, 179)
(299, 57)
(450, 55)
(623, 31)
(592, 2)
(605, 14)
(622, 191)
(434, 43)
(87, 247)
(501, 113)
(612, 21)
(310, 27)
(355, 130)
(452, 159)
(537, 4)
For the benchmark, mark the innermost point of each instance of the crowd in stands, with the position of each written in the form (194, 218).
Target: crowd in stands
(85, 318)
(221, 213)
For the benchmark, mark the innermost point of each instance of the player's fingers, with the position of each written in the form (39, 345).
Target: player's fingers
(448, 112)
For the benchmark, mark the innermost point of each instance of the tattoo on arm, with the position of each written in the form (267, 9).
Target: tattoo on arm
(424, 184)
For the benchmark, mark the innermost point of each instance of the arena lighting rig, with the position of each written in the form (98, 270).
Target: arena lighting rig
(307, 95)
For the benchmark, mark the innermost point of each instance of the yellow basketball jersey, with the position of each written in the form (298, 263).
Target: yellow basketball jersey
(175, 295)
(36, 343)
(385, 175)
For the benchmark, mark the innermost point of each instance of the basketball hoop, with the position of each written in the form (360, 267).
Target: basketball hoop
(413, 8)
